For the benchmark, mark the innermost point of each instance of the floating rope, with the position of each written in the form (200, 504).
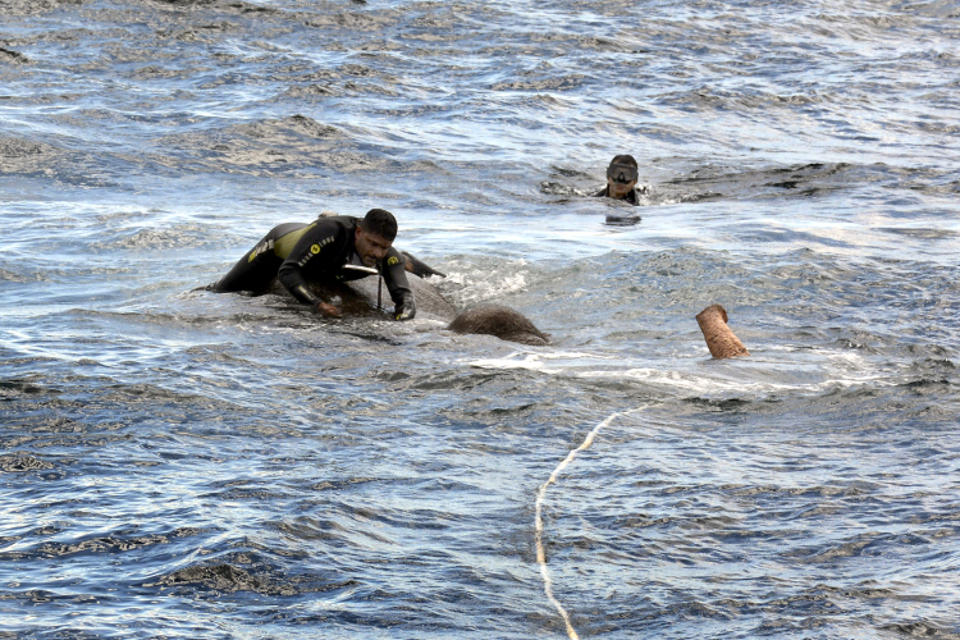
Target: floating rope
(538, 520)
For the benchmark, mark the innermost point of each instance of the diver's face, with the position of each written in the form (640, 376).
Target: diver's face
(621, 179)
(371, 247)
(620, 190)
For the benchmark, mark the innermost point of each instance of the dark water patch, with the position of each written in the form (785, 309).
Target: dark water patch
(924, 386)
(187, 3)
(920, 628)
(734, 405)
(13, 57)
(751, 100)
(23, 156)
(537, 83)
(224, 578)
(118, 542)
(244, 491)
(934, 364)
(346, 530)
(340, 484)
(12, 388)
(21, 461)
(38, 425)
(227, 6)
(927, 180)
(803, 180)
(247, 571)
(456, 380)
(36, 7)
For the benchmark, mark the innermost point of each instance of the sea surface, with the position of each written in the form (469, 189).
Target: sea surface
(181, 464)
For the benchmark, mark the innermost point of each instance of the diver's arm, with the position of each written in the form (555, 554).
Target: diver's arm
(301, 292)
(312, 247)
(395, 275)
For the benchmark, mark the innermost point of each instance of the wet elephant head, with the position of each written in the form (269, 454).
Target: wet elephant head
(500, 321)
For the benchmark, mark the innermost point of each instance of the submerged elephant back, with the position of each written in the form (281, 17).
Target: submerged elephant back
(362, 297)
(428, 300)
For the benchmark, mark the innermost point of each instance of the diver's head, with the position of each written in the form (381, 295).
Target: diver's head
(621, 176)
(375, 235)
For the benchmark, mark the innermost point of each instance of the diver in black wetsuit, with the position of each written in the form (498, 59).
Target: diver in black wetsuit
(337, 248)
(621, 185)
(622, 181)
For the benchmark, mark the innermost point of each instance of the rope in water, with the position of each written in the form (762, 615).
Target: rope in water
(538, 520)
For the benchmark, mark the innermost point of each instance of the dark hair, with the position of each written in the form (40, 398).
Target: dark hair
(380, 222)
(624, 159)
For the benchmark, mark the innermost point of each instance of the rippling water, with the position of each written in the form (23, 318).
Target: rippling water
(179, 464)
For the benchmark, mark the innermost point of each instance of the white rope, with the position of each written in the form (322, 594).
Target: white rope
(538, 520)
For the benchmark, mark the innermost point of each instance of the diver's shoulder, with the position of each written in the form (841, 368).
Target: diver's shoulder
(333, 220)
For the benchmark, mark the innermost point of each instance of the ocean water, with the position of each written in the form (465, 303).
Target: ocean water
(180, 464)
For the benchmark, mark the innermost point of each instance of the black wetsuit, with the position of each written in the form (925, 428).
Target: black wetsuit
(633, 196)
(297, 253)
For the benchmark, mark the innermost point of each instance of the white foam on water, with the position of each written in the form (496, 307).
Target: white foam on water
(488, 282)
(773, 373)
(538, 361)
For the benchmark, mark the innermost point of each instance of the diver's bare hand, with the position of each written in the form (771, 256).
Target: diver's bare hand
(327, 310)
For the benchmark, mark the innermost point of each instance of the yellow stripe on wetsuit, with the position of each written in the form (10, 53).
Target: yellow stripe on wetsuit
(285, 243)
(281, 246)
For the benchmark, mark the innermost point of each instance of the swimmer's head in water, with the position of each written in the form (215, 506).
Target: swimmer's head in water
(622, 169)
(621, 176)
